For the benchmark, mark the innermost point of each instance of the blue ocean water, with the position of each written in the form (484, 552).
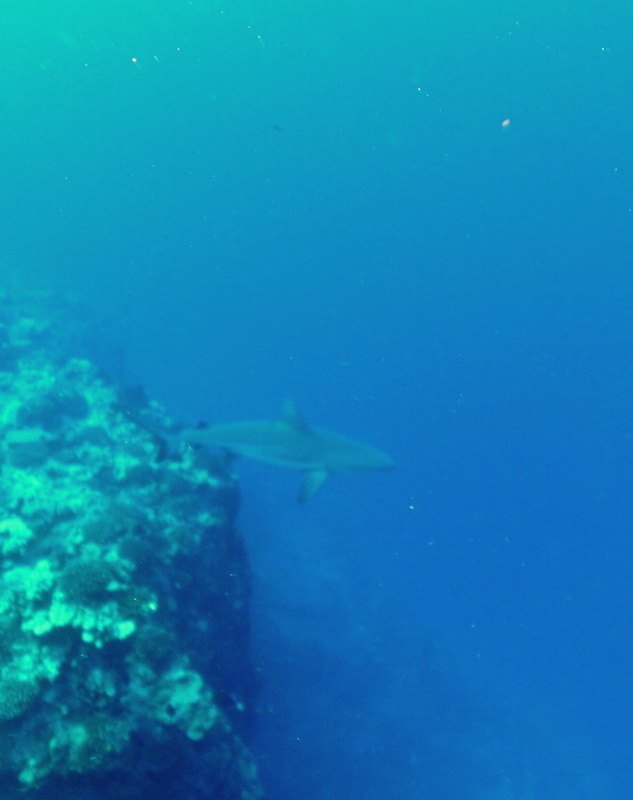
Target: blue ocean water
(322, 201)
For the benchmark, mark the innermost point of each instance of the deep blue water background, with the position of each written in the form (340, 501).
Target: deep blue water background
(319, 201)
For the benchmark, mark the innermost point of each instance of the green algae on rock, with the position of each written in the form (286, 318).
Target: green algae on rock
(123, 594)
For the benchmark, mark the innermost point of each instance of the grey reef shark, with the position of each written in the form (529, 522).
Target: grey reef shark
(290, 442)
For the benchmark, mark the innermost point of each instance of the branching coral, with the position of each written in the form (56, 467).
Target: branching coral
(16, 695)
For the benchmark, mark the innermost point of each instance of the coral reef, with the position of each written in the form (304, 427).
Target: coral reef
(123, 592)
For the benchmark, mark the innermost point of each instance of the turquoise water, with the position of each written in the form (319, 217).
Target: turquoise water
(322, 201)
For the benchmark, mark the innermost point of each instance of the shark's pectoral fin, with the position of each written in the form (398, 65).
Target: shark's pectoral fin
(312, 482)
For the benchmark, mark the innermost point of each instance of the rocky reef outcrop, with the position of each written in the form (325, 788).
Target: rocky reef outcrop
(123, 592)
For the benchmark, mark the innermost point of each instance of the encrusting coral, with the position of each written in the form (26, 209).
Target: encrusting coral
(104, 669)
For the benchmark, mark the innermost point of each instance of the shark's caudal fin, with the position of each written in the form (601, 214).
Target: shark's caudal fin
(312, 482)
(167, 442)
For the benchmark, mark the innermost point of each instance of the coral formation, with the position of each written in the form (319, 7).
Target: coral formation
(123, 592)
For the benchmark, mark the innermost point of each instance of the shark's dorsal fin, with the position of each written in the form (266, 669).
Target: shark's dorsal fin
(291, 414)
(312, 482)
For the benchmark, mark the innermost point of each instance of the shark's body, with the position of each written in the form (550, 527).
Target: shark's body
(289, 442)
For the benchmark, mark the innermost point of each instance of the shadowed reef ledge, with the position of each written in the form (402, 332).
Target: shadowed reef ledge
(124, 586)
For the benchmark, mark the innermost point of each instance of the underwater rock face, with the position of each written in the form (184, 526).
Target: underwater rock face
(123, 594)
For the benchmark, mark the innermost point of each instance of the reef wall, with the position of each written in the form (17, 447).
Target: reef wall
(124, 587)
